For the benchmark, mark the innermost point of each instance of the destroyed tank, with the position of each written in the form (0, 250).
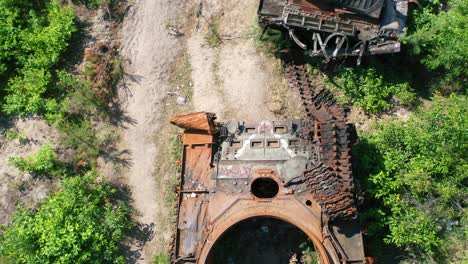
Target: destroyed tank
(338, 28)
(296, 171)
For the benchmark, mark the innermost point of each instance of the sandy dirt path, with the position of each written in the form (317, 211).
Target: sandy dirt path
(149, 52)
(234, 80)
(228, 80)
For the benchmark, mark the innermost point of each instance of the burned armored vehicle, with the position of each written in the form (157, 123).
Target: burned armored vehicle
(338, 28)
(292, 171)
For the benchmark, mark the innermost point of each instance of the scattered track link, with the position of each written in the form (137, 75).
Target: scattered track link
(331, 182)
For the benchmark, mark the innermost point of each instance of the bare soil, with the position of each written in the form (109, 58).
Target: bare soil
(234, 80)
(22, 187)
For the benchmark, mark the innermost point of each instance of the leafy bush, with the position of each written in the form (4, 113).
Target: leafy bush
(44, 163)
(368, 89)
(417, 176)
(33, 35)
(440, 34)
(84, 222)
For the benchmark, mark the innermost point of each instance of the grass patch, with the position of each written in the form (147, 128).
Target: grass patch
(167, 175)
(161, 259)
(13, 134)
(284, 103)
(213, 37)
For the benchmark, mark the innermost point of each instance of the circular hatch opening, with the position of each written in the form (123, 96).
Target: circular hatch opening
(263, 240)
(264, 188)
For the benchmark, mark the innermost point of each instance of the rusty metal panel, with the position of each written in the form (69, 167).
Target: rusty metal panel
(193, 138)
(200, 121)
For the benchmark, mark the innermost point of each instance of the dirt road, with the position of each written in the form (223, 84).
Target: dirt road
(232, 80)
(149, 51)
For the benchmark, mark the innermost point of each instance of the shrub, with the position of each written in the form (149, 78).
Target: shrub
(83, 222)
(93, 4)
(416, 175)
(366, 88)
(440, 34)
(32, 38)
(81, 99)
(41, 164)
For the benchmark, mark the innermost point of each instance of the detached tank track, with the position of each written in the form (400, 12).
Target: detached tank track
(332, 182)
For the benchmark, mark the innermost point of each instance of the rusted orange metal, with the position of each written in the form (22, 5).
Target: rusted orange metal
(200, 121)
(192, 138)
(217, 187)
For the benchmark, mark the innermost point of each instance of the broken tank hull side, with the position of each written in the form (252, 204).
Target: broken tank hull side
(338, 28)
(276, 169)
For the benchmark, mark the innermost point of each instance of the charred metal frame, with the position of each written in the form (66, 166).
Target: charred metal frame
(328, 31)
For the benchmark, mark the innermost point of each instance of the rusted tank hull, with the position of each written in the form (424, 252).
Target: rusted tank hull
(221, 171)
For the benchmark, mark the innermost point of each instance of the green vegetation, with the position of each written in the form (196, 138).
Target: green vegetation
(93, 4)
(370, 90)
(437, 38)
(440, 35)
(42, 164)
(13, 134)
(414, 171)
(161, 259)
(269, 40)
(213, 37)
(415, 175)
(83, 222)
(309, 254)
(33, 35)
(73, 116)
(86, 219)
